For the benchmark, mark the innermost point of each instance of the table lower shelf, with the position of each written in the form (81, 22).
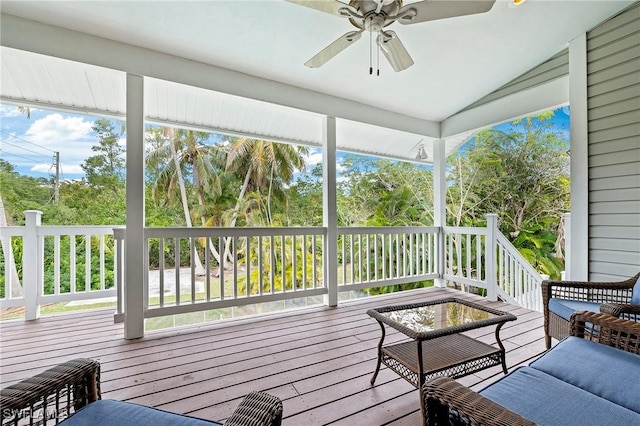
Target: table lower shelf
(453, 356)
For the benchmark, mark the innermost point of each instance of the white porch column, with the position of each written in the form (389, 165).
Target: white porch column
(579, 233)
(32, 261)
(490, 261)
(134, 239)
(567, 247)
(439, 206)
(329, 209)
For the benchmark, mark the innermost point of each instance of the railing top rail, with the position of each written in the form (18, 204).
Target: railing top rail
(12, 231)
(464, 230)
(386, 229)
(75, 230)
(231, 232)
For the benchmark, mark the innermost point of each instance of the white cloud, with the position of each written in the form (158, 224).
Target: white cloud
(71, 169)
(65, 169)
(312, 159)
(55, 130)
(42, 168)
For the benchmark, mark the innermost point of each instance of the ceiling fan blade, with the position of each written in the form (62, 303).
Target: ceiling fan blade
(329, 6)
(431, 10)
(333, 49)
(394, 51)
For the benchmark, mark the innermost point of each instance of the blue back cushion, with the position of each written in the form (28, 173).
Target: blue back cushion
(117, 413)
(635, 297)
(610, 373)
(565, 307)
(546, 400)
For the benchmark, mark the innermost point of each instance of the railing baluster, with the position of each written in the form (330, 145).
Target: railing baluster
(247, 265)
(221, 266)
(161, 270)
(303, 251)
(272, 253)
(294, 256)
(192, 265)
(375, 257)
(260, 265)
(207, 269)
(102, 261)
(313, 254)
(176, 242)
(56, 264)
(72, 263)
(234, 256)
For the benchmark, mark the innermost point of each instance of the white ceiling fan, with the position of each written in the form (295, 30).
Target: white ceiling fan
(375, 15)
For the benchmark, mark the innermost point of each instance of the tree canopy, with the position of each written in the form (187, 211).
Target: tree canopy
(520, 172)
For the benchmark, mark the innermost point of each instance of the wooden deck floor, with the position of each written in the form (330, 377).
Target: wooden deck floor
(318, 360)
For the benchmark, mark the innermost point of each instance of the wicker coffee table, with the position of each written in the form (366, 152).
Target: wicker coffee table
(437, 347)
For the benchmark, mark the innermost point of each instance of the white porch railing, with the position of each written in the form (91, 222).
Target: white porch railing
(76, 267)
(502, 271)
(245, 265)
(258, 264)
(376, 256)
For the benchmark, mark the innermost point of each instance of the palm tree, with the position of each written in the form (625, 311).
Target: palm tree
(186, 151)
(267, 167)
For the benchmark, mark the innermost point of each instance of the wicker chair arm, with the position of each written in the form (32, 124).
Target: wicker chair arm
(628, 283)
(257, 409)
(53, 394)
(607, 330)
(448, 402)
(617, 309)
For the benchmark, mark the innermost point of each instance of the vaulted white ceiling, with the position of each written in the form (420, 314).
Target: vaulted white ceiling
(457, 60)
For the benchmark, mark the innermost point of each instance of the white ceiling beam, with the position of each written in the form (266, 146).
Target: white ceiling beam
(49, 40)
(543, 97)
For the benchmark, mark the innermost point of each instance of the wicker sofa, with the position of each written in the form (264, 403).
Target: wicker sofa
(590, 378)
(562, 298)
(69, 394)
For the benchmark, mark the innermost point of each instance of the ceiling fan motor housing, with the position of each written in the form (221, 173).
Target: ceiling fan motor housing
(375, 13)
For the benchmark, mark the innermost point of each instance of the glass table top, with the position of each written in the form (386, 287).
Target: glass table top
(438, 316)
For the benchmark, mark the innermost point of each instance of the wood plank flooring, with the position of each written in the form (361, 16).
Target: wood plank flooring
(317, 360)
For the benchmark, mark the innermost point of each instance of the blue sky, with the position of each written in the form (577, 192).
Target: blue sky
(30, 143)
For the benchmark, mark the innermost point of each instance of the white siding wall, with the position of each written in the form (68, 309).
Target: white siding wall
(613, 92)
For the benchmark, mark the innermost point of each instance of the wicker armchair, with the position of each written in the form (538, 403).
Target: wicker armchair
(614, 298)
(59, 392)
(447, 402)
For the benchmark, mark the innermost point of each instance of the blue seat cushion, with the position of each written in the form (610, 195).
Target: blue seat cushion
(548, 401)
(605, 371)
(635, 296)
(566, 307)
(107, 412)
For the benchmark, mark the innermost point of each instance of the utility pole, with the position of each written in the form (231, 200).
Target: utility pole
(56, 188)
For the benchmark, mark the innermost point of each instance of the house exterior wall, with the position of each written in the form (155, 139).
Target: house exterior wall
(613, 108)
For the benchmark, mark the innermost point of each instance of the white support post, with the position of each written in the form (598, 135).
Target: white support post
(32, 264)
(134, 266)
(119, 237)
(439, 206)
(567, 247)
(329, 210)
(490, 249)
(579, 138)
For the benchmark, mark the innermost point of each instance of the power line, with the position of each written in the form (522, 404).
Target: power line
(24, 140)
(19, 156)
(23, 148)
